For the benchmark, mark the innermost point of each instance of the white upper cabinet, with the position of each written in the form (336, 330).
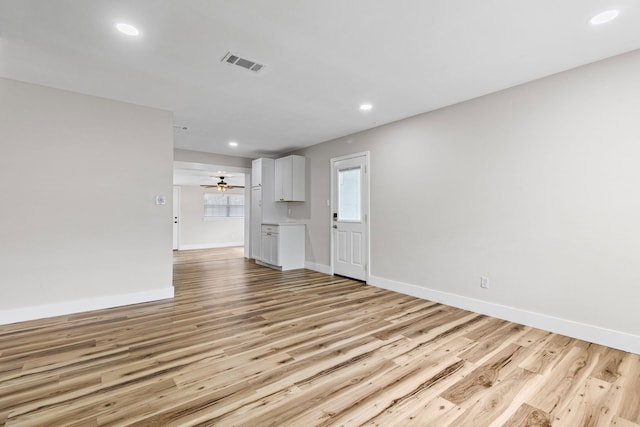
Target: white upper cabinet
(256, 173)
(290, 179)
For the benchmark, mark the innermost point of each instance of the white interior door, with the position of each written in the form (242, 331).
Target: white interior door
(350, 211)
(176, 218)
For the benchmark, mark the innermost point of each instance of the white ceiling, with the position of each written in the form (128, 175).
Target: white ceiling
(323, 58)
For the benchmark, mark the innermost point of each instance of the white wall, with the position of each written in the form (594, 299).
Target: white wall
(196, 232)
(79, 227)
(535, 187)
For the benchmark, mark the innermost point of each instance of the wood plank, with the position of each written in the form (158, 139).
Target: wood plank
(557, 387)
(495, 401)
(528, 416)
(485, 376)
(621, 422)
(547, 353)
(585, 408)
(629, 383)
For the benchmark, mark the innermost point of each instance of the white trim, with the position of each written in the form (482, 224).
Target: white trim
(247, 216)
(321, 268)
(350, 156)
(210, 245)
(78, 306)
(222, 218)
(596, 334)
(266, 264)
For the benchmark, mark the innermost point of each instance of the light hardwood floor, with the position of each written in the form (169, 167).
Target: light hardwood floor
(243, 345)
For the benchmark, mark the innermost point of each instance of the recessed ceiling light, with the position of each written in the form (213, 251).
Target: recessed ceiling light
(366, 107)
(233, 144)
(606, 16)
(127, 29)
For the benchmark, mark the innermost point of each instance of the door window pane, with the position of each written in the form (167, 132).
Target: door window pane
(349, 195)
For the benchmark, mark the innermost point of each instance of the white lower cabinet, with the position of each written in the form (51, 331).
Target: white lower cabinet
(269, 245)
(282, 246)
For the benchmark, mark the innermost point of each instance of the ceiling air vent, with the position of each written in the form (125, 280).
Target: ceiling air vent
(232, 59)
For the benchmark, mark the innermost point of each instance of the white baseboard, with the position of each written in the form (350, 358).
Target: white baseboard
(210, 246)
(78, 306)
(595, 334)
(321, 268)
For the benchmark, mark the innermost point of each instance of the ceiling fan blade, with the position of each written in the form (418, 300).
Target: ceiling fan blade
(235, 186)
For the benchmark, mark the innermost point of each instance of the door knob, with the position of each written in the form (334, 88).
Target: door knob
(335, 226)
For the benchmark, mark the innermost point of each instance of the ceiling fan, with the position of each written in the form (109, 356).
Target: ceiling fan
(222, 186)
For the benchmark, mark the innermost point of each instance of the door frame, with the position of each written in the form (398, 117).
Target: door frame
(177, 203)
(366, 207)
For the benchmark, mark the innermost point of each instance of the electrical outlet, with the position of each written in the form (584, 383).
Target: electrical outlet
(484, 282)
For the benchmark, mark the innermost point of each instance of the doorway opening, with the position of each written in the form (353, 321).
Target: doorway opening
(212, 206)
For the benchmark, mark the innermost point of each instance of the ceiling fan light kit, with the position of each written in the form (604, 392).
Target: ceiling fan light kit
(223, 186)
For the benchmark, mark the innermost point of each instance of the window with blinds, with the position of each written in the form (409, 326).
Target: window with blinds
(218, 205)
